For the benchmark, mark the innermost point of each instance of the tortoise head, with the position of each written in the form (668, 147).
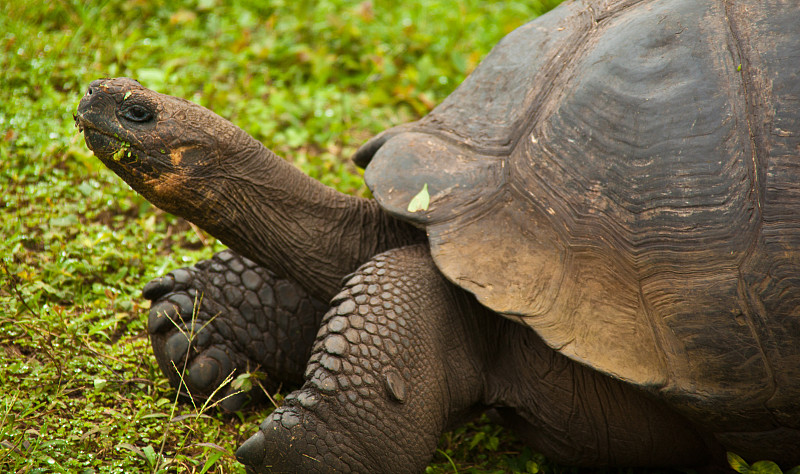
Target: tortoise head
(164, 147)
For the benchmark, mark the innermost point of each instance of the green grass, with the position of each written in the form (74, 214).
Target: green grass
(79, 387)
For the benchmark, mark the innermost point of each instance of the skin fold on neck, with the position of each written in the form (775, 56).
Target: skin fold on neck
(264, 208)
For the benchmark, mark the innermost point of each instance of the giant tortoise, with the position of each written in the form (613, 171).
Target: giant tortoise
(597, 236)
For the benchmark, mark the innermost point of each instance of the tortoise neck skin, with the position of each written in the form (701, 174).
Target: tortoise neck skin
(189, 161)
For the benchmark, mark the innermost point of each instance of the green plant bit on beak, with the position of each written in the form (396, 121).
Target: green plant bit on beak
(121, 152)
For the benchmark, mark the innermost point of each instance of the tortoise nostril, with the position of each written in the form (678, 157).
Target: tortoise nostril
(89, 92)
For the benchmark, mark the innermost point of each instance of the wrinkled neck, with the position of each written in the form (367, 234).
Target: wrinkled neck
(269, 211)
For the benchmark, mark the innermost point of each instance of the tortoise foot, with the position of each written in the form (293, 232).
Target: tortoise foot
(227, 316)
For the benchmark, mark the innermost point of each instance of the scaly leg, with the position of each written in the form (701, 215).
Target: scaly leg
(393, 366)
(232, 316)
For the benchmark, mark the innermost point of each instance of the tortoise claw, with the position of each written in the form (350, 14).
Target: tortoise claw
(253, 451)
(176, 346)
(158, 287)
(209, 369)
(160, 315)
(174, 308)
(203, 372)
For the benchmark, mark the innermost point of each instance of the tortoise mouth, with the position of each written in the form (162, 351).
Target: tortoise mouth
(125, 159)
(108, 147)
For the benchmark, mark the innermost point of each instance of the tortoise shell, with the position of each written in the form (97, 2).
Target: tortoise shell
(622, 177)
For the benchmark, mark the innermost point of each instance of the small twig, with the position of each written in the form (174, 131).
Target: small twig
(87, 348)
(13, 280)
(266, 392)
(199, 233)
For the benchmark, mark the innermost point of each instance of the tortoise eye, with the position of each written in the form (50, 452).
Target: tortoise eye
(137, 113)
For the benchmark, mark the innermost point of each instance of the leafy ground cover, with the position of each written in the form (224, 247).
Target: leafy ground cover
(79, 388)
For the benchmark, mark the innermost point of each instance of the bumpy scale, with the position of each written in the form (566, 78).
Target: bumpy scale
(236, 316)
(374, 385)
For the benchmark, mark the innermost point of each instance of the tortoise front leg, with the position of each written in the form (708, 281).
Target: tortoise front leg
(227, 315)
(395, 363)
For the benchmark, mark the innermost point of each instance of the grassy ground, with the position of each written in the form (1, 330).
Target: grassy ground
(79, 388)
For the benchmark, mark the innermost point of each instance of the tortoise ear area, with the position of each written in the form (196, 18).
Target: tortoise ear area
(193, 160)
(423, 179)
(363, 156)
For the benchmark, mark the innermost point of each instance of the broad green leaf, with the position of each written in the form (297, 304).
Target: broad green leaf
(477, 439)
(765, 467)
(737, 463)
(150, 455)
(131, 448)
(242, 382)
(421, 201)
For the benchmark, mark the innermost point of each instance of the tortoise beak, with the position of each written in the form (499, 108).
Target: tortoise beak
(94, 118)
(79, 121)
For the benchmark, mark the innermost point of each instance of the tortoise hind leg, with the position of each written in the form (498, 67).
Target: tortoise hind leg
(225, 316)
(575, 415)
